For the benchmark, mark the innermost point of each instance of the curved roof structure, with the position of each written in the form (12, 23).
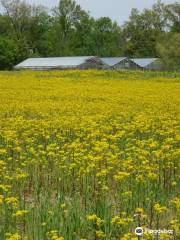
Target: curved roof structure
(53, 62)
(144, 62)
(111, 61)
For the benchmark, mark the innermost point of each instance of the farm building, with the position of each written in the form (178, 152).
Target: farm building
(89, 62)
(149, 63)
(120, 63)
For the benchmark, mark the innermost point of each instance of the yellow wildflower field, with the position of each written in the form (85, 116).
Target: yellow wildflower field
(88, 155)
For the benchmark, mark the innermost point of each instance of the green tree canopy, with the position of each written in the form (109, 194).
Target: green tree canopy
(143, 30)
(169, 51)
(70, 30)
(173, 16)
(8, 53)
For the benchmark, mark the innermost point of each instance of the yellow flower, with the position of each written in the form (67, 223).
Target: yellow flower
(105, 188)
(102, 173)
(139, 211)
(174, 183)
(128, 236)
(3, 151)
(1, 199)
(153, 145)
(18, 149)
(63, 205)
(100, 234)
(176, 202)
(53, 234)
(117, 220)
(127, 194)
(2, 164)
(159, 209)
(14, 236)
(11, 201)
(20, 213)
(95, 218)
(92, 217)
(21, 175)
(99, 221)
(152, 176)
(5, 187)
(121, 176)
(175, 224)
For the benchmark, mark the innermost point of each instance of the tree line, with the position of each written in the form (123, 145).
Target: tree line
(28, 30)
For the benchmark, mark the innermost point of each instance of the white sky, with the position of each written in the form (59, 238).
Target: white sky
(118, 10)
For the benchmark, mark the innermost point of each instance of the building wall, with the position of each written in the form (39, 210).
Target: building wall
(157, 65)
(93, 64)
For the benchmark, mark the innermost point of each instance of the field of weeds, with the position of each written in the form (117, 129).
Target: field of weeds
(89, 155)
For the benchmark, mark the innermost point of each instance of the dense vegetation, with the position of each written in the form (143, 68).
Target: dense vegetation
(27, 30)
(88, 155)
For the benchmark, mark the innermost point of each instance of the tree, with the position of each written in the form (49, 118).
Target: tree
(19, 13)
(6, 28)
(8, 53)
(106, 37)
(66, 18)
(28, 24)
(169, 51)
(143, 30)
(83, 43)
(39, 25)
(70, 30)
(173, 17)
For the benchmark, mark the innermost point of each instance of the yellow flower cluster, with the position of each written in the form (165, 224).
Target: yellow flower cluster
(159, 209)
(53, 234)
(139, 210)
(121, 221)
(15, 236)
(20, 213)
(95, 219)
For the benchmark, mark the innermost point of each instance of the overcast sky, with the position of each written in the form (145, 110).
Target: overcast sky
(118, 10)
